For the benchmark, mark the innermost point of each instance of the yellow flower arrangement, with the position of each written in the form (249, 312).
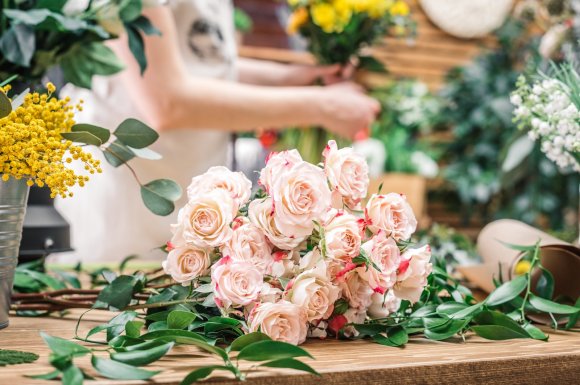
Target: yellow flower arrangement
(31, 145)
(298, 18)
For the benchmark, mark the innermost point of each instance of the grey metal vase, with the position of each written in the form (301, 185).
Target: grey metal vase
(13, 197)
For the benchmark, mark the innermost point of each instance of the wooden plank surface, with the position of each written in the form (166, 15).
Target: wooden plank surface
(340, 362)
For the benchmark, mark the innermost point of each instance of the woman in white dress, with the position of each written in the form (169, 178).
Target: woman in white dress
(195, 92)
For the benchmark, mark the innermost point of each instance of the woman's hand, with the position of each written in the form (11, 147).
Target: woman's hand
(346, 110)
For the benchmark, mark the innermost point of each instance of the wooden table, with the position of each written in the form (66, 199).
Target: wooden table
(340, 362)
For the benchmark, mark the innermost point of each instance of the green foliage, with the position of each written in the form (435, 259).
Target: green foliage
(408, 111)
(38, 35)
(159, 196)
(242, 21)
(15, 357)
(480, 114)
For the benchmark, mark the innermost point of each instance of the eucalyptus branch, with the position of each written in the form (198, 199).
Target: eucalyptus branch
(113, 153)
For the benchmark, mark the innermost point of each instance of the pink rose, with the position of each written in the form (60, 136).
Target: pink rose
(313, 291)
(384, 253)
(185, 263)
(412, 273)
(261, 214)
(383, 305)
(353, 316)
(301, 196)
(342, 236)
(248, 243)
(347, 172)
(281, 321)
(276, 164)
(235, 283)
(221, 178)
(205, 221)
(270, 293)
(391, 213)
(355, 289)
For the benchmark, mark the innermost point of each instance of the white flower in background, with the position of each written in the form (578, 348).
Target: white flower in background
(281, 321)
(552, 40)
(75, 7)
(424, 164)
(347, 173)
(373, 150)
(412, 273)
(185, 263)
(221, 178)
(205, 221)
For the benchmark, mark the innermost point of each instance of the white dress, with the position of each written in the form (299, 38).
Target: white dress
(107, 216)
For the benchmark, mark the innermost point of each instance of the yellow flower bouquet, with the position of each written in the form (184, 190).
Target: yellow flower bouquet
(337, 30)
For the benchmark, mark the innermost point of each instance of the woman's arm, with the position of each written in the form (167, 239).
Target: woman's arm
(170, 98)
(268, 73)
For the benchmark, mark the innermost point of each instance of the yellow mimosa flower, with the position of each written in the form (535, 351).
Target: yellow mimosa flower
(297, 19)
(400, 8)
(324, 15)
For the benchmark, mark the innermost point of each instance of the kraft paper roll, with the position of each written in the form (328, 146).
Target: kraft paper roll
(560, 258)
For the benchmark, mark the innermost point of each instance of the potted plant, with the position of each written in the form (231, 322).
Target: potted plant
(409, 110)
(39, 138)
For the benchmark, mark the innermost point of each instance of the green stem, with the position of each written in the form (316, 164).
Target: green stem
(533, 263)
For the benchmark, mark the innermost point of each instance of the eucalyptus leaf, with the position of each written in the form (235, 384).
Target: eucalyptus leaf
(548, 306)
(271, 350)
(143, 357)
(102, 133)
(146, 153)
(5, 105)
(159, 195)
(136, 134)
(130, 10)
(507, 291)
(290, 363)
(18, 44)
(120, 371)
(82, 137)
(118, 154)
(144, 24)
(137, 46)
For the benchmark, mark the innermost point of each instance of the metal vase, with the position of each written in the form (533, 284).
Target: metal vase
(13, 198)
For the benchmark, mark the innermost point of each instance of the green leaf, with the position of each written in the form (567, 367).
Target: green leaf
(247, 339)
(507, 291)
(130, 10)
(179, 319)
(118, 154)
(61, 347)
(159, 195)
(46, 376)
(445, 330)
(15, 357)
(118, 294)
(468, 311)
(497, 332)
(46, 279)
(146, 153)
(144, 24)
(398, 336)
(449, 308)
(5, 105)
(18, 44)
(136, 134)
(548, 306)
(82, 137)
(185, 337)
(499, 319)
(83, 61)
(271, 350)
(201, 373)
(290, 363)
(102, 133)
(72, 376)
(137, 47)
(545, 284)
(535, 333)
(143, 357)
(120, 371)
(370, 63)
(133, 328)
(574, 317)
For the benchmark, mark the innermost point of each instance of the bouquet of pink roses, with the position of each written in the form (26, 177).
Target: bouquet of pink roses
(301, 257)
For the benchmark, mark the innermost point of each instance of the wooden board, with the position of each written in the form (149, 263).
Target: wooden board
(340, 362)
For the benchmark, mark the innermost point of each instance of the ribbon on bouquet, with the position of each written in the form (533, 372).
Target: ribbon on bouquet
(562, 259)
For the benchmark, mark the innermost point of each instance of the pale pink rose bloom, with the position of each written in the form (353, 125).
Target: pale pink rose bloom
(342, 236)
(235, 283)
(355, 289)
(221, 178)
(347, 172)
(384, 253)
(261, 214)
(310, 259)
(383, 305)
(185, 263)
(276, 164)
(301, 197)
(270, 293)
(391, 213)
(281, 321)
(412, 273)
(354, 316)
(248, 243)
(313, 291)
(205, 221)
